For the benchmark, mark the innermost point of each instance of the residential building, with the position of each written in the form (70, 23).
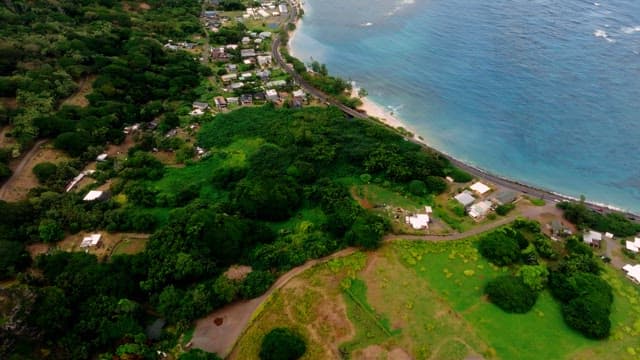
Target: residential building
(221, 103)
(480, 188)
(592, 238)
(272, 95)
(465, 198)
(93, 240)
(94, 195)
(246, 99)
(418, 221)
(480, 209)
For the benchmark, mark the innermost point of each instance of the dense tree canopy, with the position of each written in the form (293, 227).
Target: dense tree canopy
(282, 344)
(511, 294)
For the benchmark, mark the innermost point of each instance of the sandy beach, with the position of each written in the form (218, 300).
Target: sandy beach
(377, 111)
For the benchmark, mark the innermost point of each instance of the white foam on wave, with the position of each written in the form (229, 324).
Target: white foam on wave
(596, 3)
(367, 24)
(630, 29)
(603, 34)
(400, 5)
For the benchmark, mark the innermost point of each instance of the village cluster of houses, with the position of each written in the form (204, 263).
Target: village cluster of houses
(474, 200)
(235, 80)
(478, 205)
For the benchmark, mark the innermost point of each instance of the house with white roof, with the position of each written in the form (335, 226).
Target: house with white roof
(592, 238)
(480, 188)
(272, 95)
(465, 198)
(633, 272)
(480, 209)
(418, 221)
(92, 240)
(633, 246)
(94, 195)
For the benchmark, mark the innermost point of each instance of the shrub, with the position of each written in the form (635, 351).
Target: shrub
(417, 187)
(256, 283)
(282, 344)
(5, 171)
(504, 209)
(588, 315)
(459, 175)
(511, 294)
(499, 248)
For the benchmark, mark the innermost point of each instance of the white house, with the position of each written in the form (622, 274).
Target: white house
(93, 195)
(272, 95)
(91, 241)
(465, 198)
(418, 221)
(102, 157)
(480, 209)
(283, 8)
(480, 188)
(592, 238)
(633, 246)
(633, 272)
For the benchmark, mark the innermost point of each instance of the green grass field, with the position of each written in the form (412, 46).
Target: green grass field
(427, 299)
(200, 173)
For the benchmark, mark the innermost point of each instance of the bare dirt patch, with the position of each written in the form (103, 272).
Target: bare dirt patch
(144, 6)
(38, 249)
(79, 98)
(111, 243)
(6, 141)
(23, 180)
(9, 102)
(361, 200)
(237, 272)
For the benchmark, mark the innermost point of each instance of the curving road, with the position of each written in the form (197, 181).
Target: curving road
(25, 160)
(476, 172)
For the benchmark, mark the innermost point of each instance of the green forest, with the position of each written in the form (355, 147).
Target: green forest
(271, 191)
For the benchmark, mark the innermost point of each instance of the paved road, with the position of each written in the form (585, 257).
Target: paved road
(25, 160)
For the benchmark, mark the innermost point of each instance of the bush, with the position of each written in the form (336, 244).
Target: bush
(504, 209)
(459, 175)
(417, 187)
(588, 315)
(282, 344)
(499, 248)
(511, 294)
(256, 283)
(44, 171)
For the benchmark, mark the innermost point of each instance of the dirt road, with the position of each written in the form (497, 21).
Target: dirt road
(234, 318)
(20, 168)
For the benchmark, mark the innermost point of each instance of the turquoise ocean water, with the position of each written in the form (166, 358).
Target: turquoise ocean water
(543, 92)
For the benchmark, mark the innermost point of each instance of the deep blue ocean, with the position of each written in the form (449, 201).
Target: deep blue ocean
(543, 92)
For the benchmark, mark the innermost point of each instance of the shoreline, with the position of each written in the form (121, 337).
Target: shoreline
(378, 111)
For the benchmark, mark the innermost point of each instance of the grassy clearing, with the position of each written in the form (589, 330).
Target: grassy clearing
(130, 245)
(426, 299)
(199, 173)
(537, 202)
(526, 336)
